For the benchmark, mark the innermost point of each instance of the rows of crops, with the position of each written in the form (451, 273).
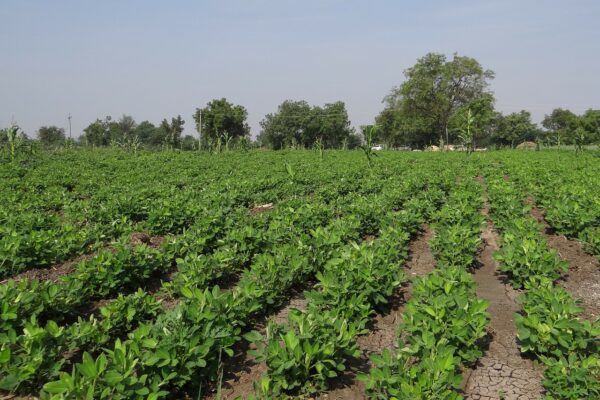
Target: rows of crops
(550, 327)
(141, 276)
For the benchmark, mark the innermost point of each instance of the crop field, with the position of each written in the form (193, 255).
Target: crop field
(299, 274)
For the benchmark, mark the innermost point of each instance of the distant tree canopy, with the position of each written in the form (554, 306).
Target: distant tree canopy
(590, 122)
(515, 128)
(170, 132)
(565, 127)
(222, 120)
(104, 132)
(297, 124)
(51, 135)
(485, 120)
(442, 100)
(419, 111)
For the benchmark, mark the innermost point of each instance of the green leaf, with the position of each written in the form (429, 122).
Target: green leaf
(5, 356)
(56, 387)
(186, 292)
(253, 336)
(88, 366)
(291, 340)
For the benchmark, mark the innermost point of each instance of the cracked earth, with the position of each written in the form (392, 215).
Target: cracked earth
(502, 373)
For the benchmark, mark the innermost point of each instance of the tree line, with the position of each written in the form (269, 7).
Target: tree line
(430, 107)
(441, 101)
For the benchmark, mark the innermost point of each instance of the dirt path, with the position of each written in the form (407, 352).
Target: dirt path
(240, 371)
(52, 273)
(583, 278)
(502, 373)
(384, 330)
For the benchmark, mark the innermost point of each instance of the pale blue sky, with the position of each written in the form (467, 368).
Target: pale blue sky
(155, 59)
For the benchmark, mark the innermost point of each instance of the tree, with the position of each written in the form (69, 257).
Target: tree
(123, 129)
(51, 135)
(288, 127)
(189, 143)
(398, 129)
(561, 125)
(435, 88)
(330, 124)
(482, 116)
(352, 142)
(297, 124)
(590, 122)
(170, 133)
(148, 133)
(515, 128)
(98, 132)
(221, 119)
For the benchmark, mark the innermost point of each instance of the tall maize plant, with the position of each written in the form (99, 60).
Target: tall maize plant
(14, 141)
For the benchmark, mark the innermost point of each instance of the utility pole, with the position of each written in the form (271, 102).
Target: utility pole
(69, 118)
(199, 129)
(200, 126)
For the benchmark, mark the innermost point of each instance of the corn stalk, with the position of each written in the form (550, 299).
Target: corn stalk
(14, 141)
(367, 148)
(467, 134)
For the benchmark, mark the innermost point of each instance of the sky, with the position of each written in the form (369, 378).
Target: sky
(156, 59)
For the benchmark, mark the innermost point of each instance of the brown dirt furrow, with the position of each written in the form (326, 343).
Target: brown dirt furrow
(583, 277)
(502, 373)
(383, 332)
(241, 371)
(141, 238)
(53, 273)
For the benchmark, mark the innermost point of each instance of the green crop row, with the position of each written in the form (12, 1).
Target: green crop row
(99, 277)
(569, 196)
(55, 210)
(262, 286)
(443, 321)
(550, 326)
(315, 344)
(190, 340)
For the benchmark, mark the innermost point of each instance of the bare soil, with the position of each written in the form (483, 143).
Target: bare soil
(502, 373)
(583, 277)
(261, 208)
(383, 332)
(140, 238)
(53, 273)
(8, 396)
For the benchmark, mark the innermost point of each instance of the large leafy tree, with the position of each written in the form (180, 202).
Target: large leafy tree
(483, 122)
(561, 124)
(330, 124)
(123, 129)
(515, 128)
(221, 119)
(169, 133)
(98, 132)
(104, 132)
(418, 112)
(288, 127)
(51, 135)
(147, 133)
(590, 122)
(297, 124)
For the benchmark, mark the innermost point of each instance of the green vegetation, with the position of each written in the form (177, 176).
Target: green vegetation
(442, 101)
(551, 326)
(135, 290)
